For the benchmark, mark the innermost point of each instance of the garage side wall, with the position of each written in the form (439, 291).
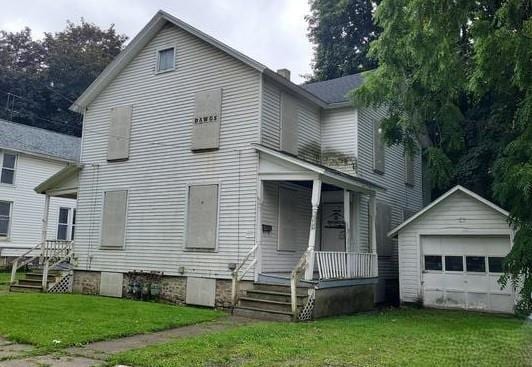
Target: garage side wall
(458, 214)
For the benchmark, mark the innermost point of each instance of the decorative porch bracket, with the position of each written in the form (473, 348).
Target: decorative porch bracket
(316, 197)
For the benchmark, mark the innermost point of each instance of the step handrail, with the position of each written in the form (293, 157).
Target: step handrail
(237, 276)
(295, 277)
(16, 264)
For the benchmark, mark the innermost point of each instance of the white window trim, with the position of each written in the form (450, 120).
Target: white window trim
(9, 225)
(2, 152)
(102, 195)
(157, 59)
(185, 215)
(70, 217)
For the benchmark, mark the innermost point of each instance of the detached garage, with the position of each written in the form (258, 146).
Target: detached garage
(451, 254)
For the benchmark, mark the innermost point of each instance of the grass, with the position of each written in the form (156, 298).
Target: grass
(407, 337)
(5, 278)
(54, 321)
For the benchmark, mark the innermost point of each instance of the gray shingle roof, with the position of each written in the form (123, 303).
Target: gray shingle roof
(34, 140)
(334, 90)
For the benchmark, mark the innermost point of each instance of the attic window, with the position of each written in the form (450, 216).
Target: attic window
(166, 59)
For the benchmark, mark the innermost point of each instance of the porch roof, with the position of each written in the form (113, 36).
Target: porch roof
(284, 166)
(64, 183)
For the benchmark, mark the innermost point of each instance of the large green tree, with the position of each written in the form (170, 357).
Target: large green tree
(341, 31)
(39, 79)
(456, 77)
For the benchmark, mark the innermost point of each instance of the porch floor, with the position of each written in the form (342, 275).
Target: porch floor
(283, 278)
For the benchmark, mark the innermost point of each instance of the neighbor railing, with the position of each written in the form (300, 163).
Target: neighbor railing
(346, 265)
(24, 260)
(240, 272)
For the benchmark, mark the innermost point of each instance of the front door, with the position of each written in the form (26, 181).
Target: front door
(333, 227)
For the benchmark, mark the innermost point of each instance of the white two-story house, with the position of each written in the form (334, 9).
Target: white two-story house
(233, 182)
(28, 156)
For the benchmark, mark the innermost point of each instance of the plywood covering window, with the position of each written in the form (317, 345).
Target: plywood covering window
(5, 218)
(202, 217)
(287, 219)
(383, 224)
(378, 148)
(206, 120)
(7, 176)
(119, 132)
(114, 219)
(166, 59)
(289, 124)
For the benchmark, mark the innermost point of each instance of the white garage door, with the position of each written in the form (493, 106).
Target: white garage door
(462, 272)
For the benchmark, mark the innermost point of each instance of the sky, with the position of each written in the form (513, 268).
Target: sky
(273, 32)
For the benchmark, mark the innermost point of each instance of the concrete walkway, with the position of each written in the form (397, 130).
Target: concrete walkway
(94, 354)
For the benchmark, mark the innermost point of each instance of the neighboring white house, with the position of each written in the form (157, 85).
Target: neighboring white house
(451, 254)
(28, 156)
(197, 159)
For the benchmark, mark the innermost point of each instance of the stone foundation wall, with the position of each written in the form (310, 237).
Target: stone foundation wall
(173, 288)
(86, 282)
(343, 300)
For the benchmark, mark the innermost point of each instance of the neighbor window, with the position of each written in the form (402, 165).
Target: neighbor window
(495, 264)
(383, 226)
(476, 264)
(8, 168)
(62, 224)
(410, 177)
(454, 263)
(433, 262)
(378, 148)
(5, 216)
(202, 217)
(73, 228)
(289, 124)
(166, 59)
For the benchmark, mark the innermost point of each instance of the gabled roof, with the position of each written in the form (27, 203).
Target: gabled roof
(40, 142)
(335, 90)
(486, 202)
(147, 33)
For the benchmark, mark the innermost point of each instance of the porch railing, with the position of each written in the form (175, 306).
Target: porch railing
(345, 265)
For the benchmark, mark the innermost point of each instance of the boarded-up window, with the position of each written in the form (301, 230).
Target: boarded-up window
(287, 219)
(409, 171)
(118, 142)
(383, 224)
(378, 148)
(206, 120)
(202, 217)
(114, 219)
(289, 124)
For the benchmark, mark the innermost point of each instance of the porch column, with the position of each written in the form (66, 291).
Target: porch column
(347, 220)
(372, 223)
(258, 233)
(44, 230)
(316, 195)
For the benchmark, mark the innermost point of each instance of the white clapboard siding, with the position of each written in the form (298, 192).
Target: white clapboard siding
(398, 195)
(339, 139)
(161, 164)
(28, 206)
(309, 127)
(459, 211)
(274, 260)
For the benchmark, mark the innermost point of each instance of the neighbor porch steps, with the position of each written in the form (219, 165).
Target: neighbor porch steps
(269, 301)
(32, 281)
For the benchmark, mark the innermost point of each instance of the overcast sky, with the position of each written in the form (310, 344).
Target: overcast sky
(270, 31)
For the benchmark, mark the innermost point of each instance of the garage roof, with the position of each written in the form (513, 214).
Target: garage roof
(442, 198)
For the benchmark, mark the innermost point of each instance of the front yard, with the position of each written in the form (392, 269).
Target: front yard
(53, 321)
(407, 337)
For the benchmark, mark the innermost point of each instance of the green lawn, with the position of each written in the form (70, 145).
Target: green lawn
(407, 337)
(55, 321)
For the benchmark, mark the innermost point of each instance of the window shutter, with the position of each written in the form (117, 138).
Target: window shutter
(384, 221)
(114, 219)
(118, 142)
(409, 170)
(378, 148)
(287, 220)
(202, 217)
(206, 120)
(289, 124)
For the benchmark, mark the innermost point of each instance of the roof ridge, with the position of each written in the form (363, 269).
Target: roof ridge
(38, 128)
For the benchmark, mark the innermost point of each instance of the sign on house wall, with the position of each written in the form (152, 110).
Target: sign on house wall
(206, 120)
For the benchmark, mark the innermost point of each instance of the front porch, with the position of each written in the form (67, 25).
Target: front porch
(315, 230)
